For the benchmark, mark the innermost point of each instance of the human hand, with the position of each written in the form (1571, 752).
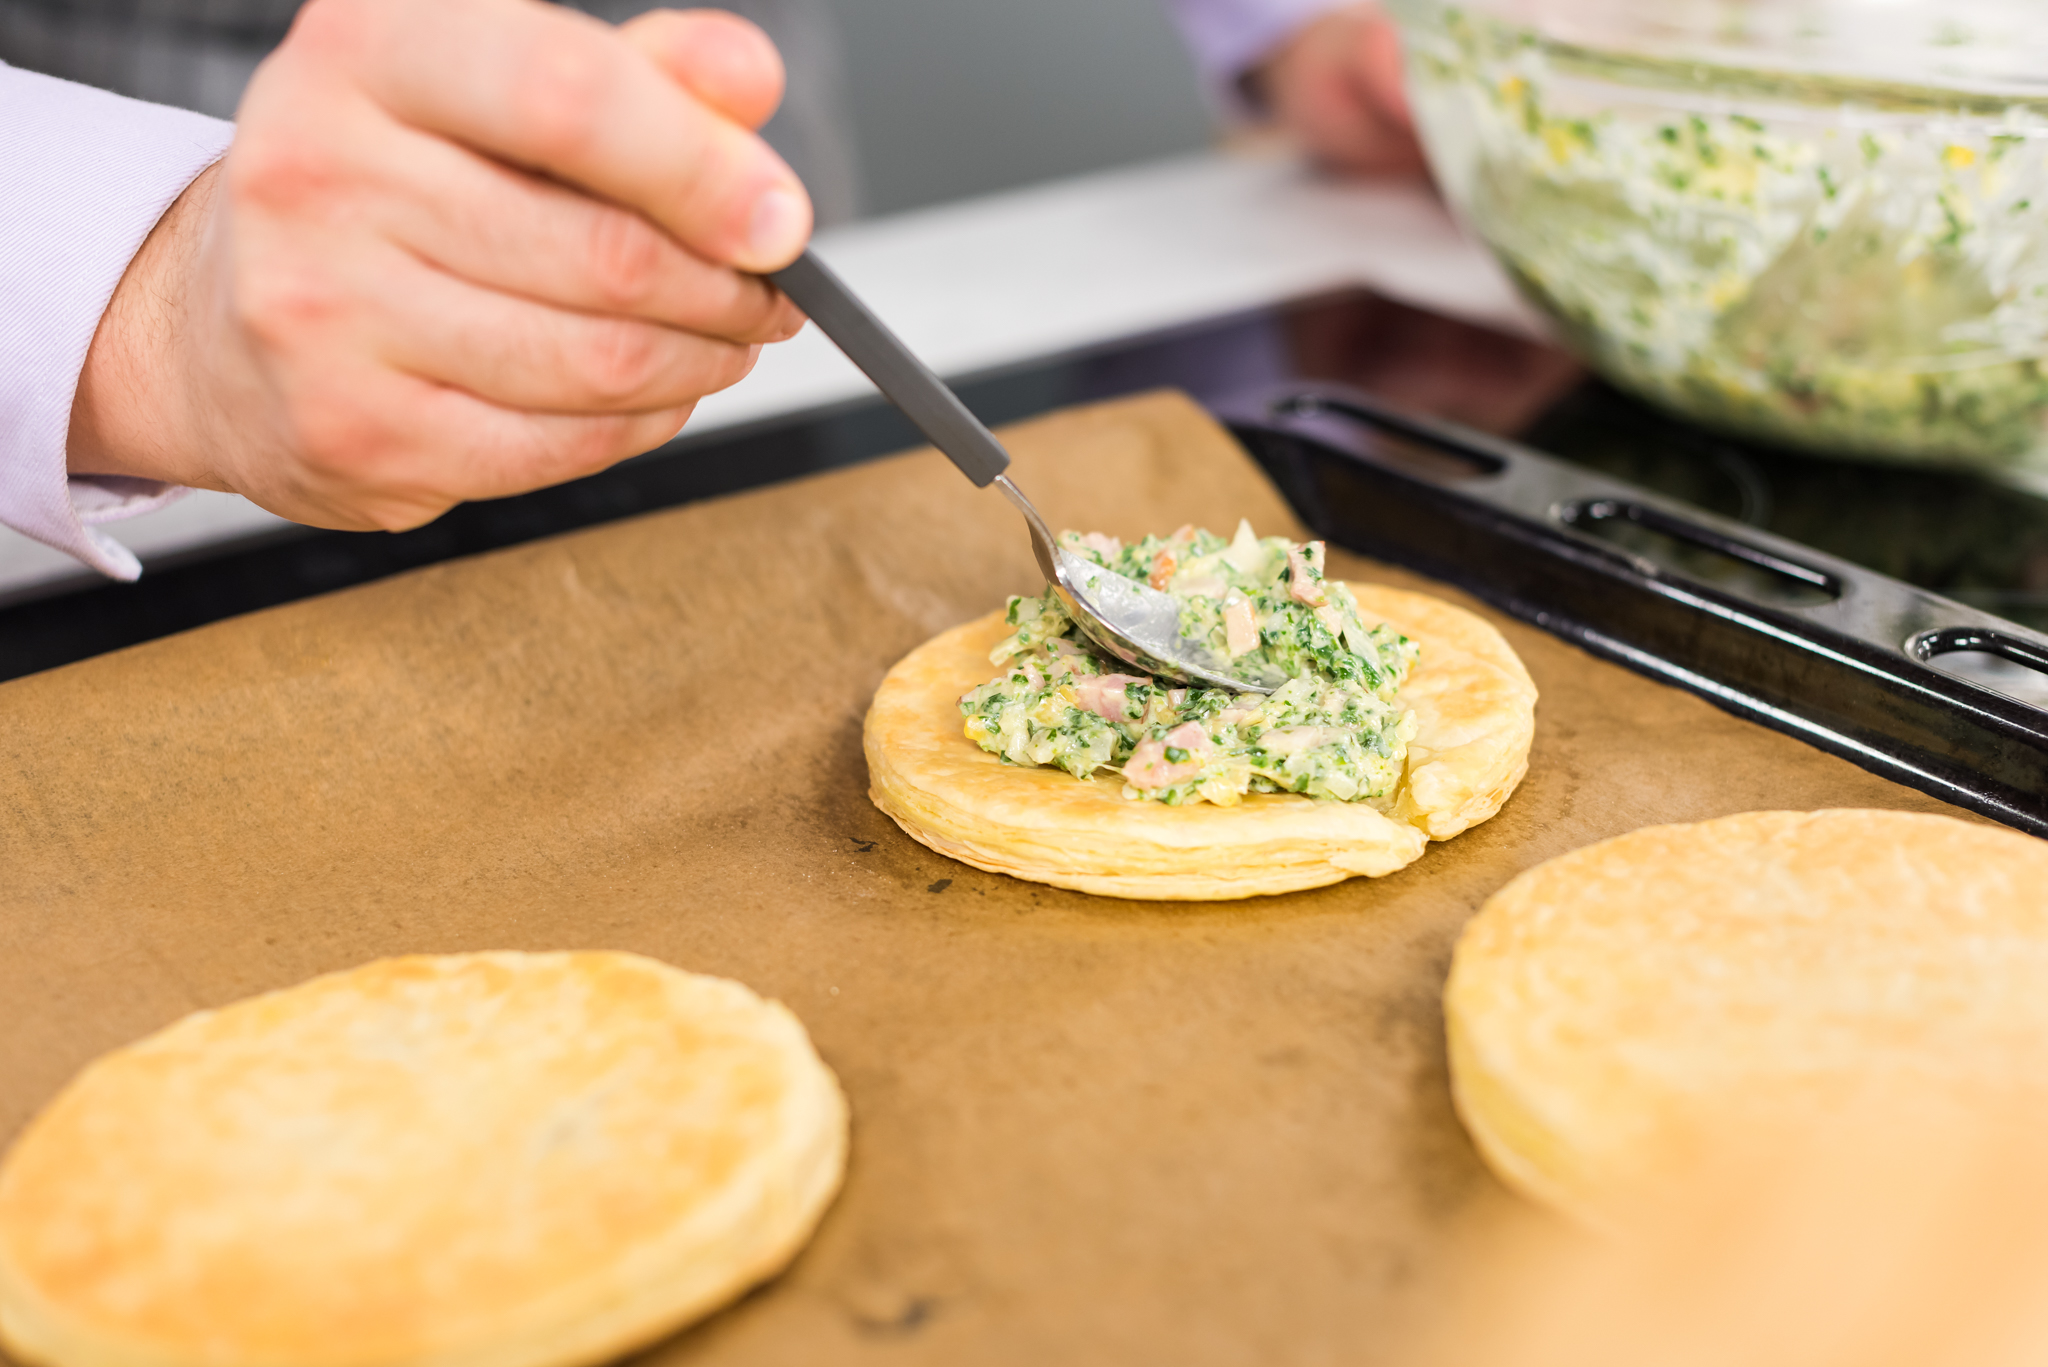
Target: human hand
(1336, 84)
(456, 251)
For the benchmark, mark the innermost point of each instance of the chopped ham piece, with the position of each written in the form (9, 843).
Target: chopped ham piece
(1303, 586)
(1103, 694)
(1240, 628)
(1108, 547)
(1149, 767)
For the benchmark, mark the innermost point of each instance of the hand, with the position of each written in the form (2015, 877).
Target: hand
(1336, 84)
(456, 251)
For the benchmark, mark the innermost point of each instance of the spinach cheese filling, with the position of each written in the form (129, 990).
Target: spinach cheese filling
(1335, 729)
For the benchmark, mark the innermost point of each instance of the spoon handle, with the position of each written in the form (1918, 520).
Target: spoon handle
(903, 379)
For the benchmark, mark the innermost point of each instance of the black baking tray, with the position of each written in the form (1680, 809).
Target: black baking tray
(1855, 662)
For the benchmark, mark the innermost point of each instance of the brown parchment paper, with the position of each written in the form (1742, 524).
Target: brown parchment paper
(1084, 1130)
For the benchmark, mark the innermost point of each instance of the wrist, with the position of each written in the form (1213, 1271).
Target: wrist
(1336, 86)
(1309, 45)
(133, 410)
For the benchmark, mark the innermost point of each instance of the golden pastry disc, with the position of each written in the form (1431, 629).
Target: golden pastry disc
(483, 1160)
(1642, 1002)
(1475, 714)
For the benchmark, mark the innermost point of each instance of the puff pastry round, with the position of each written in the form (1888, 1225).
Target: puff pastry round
(1612, 1011)
(1475, 714)
(483, 1160)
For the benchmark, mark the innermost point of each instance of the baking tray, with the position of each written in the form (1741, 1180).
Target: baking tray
(1921, 689)
(1086, 1130)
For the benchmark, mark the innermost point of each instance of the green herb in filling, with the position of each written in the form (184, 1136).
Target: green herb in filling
(1334, 730)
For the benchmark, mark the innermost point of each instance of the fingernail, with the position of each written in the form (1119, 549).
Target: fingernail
(778, 229)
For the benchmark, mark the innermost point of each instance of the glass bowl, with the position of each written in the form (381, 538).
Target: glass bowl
(1821, 223)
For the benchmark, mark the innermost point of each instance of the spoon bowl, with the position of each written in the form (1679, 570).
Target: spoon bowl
(1134, 622)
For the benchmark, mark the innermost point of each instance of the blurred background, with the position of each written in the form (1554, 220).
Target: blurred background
(895, 104)
(950, 99)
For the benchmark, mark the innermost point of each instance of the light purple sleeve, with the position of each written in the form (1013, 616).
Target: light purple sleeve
(84, 176)
(1229, 36)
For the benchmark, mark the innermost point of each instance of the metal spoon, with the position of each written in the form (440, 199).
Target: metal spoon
(1134, 622)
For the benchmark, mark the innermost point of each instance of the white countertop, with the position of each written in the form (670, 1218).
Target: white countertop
(994, 281)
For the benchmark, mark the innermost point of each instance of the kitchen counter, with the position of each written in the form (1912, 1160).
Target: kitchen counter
(991, 282)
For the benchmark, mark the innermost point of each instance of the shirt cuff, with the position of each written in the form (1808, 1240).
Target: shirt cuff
(84, 176)
(1229, 37)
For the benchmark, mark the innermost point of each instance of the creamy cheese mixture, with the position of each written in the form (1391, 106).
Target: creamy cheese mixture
(1840, 268)
(1335, 729)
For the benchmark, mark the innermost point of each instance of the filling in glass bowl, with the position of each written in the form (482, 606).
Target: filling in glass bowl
(1835, 260)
